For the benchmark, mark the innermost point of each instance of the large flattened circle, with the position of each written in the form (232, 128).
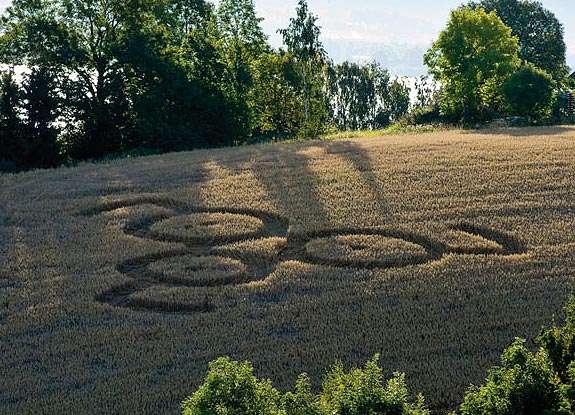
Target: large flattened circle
(206, 228)
(364, 250)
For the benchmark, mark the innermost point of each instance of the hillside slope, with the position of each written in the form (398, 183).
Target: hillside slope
(120, 281)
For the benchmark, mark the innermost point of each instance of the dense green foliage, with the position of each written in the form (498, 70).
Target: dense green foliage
(170, 75)
(529, 92)
(472, 57)
(302, 40)
(539, 32)
(524, 383)
(360, 96)
(28, 135)
(231, 388)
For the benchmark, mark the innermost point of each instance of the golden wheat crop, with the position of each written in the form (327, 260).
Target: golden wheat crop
(119, 282)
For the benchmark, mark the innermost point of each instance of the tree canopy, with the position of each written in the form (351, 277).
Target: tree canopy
(472, 58)
(540, 34)
(529, 92)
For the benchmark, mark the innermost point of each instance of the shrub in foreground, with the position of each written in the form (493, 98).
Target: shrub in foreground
(231, 388)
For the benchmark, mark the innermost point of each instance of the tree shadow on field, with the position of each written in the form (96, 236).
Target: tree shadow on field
(285, 174)
(524, 131)
(359, 157)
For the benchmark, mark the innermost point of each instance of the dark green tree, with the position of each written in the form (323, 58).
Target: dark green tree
(193, 34)
(82, 42)
(529, 93)
(240, 42)
(276, 106)
(559, 342)
(11, 125)
(352, 96)
(524, 384)
(540, 34)
(360, 96)
(302, 40)
(41, 109)
(473, 56)
(398, 101)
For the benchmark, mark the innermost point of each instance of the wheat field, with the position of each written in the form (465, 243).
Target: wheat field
(119, 282)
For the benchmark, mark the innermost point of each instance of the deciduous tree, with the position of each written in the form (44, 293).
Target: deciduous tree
(540, 34)
(472, 58)
(11, 126)
(302, 40)
(241, 42)
(529, 92)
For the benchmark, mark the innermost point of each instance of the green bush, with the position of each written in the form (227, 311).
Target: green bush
(526, 383)
(231, 388)
(529, 93)
(361, 392)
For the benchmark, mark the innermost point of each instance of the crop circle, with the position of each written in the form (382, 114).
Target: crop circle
(365, 250)
(204, 271)
(207, 228)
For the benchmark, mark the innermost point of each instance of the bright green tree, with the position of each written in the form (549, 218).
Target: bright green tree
(241, 43)
(302, 40)
(540, 33)
(230, 388)
(302, 401)
(472, 58)
(525, 383)
(529, 93)
(362, 392)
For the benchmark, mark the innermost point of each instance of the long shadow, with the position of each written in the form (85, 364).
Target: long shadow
(287, 178)
(360, 159)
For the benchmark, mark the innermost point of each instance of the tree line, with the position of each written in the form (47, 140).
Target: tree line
(108, 77)
(113, 76)
(525, 382)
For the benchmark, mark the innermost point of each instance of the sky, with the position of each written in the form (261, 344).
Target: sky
(396, 33)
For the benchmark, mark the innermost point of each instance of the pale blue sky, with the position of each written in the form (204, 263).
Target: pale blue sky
(394, 32)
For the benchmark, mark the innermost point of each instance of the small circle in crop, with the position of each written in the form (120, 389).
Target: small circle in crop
(200, 270)
(207, 227)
